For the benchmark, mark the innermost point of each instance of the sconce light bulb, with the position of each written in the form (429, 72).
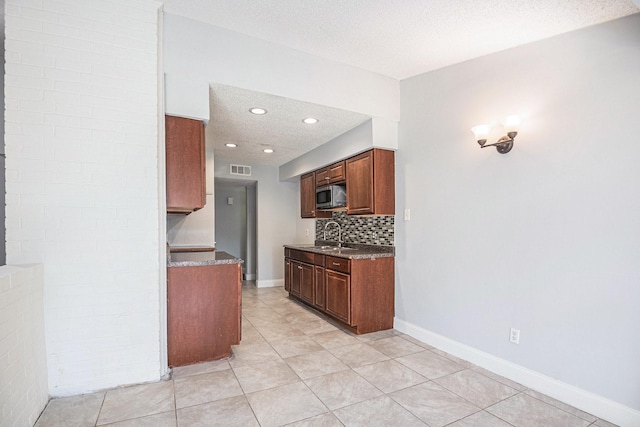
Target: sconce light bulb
(511, 123)
(481, 132)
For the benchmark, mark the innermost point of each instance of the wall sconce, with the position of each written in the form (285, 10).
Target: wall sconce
(505, 143)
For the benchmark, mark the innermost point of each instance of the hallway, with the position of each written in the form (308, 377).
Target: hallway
(294, 368)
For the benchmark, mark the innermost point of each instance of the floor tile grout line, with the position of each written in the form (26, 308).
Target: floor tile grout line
(104, 398)
(561, 409)
(244, 394)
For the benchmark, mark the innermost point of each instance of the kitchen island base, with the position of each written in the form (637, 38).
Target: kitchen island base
(203, 312)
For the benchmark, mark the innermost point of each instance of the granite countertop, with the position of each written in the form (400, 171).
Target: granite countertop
(196, 258)
(349, 250)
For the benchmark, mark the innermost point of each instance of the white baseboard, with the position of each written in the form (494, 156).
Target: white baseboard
(269, 283)
(574, 396)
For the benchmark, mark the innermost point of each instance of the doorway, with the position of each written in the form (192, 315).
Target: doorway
(235, 221)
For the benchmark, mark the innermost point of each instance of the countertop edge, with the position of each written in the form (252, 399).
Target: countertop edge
(368, 253)
(224, 259)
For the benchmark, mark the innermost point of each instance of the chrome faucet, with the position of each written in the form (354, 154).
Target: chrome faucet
(339, 232)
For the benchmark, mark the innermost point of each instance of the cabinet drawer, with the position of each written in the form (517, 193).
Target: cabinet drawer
(302, 256)
(338, 264)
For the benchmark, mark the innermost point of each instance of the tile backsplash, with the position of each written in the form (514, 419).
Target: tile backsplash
(369, 230)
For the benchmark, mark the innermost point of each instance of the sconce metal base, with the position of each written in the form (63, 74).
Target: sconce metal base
(504, 144)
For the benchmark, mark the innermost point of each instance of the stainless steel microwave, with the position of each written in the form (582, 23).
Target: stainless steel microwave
(331, 196)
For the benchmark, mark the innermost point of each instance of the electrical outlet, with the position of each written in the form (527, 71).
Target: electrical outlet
(306, 232)
(514, 336)
(407, 214)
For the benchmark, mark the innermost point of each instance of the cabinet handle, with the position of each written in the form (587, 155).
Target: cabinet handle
(336, 263)
(300, 267)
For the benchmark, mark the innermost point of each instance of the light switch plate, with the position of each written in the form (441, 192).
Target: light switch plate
(407, 214)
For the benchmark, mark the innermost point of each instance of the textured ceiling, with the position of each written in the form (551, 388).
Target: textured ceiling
(401, 38)
(281, 128)
(396, 38)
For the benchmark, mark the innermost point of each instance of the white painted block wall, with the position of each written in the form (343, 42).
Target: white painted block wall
(23, 362)
(81, 91)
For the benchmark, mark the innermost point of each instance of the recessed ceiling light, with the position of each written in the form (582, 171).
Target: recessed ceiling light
(268, 150)
(231, 145)
(258, 111)
(310, 120)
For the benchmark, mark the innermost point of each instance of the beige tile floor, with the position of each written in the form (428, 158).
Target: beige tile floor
(293, 368)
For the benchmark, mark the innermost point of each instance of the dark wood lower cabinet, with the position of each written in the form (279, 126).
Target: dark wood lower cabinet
(203, 312)
(359, 293)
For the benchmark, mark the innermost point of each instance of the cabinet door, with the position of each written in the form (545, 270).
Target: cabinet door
(287, 274)
(319, 294)
(371, 183)
(336, 172)
(307, 196)
(306, 282)
(185, 164)
(322, 177)
(296, 278)
(338, 295)
(360, 184)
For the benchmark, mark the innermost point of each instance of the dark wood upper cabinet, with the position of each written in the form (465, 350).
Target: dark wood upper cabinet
(371, 183)
(308, 198)
(331, 174)
(185, 164)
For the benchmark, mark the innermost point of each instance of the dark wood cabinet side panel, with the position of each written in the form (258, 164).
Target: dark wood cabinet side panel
(202, 312)
(185, 164)
(384, 182)
(372, 294)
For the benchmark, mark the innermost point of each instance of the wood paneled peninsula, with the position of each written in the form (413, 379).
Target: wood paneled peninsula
(204, 297)
(352, 285)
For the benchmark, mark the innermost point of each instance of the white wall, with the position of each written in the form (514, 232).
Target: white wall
(202, 52)
(82, 183)
(23, 373)
(231, 220)
(277, 209)
(195, 229)
(186, 98)
(545, 238)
